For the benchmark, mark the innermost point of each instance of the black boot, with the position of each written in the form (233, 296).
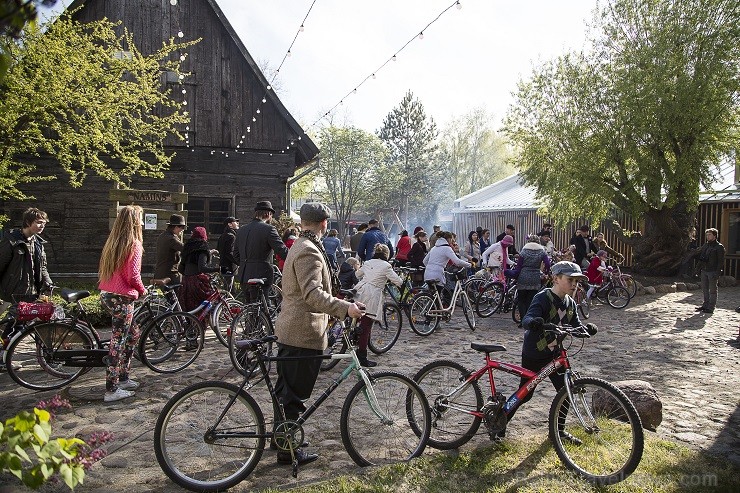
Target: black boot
(362, 355)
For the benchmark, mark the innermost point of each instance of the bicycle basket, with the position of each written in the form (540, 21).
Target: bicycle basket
(30, 311)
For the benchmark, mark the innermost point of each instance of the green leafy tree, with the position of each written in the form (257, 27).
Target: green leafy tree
(414, 180)
(350, 159)
(86, 97)
(14, 16)
(476, 155)
(638, 122)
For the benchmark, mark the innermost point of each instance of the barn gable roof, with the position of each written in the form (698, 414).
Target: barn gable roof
(504, 195)
(306, 149)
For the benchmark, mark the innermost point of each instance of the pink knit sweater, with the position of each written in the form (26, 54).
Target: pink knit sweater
(127, 279)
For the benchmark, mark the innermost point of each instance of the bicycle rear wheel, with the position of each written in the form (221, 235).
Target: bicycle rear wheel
(396, 431)
(252, 323)
(628, 282)
(200, 454)
(171, 342)
(468, 310)
(419, 318)
(385, 332)
(222, 317)
(606, 423)
(582, 302)
(515, 315)
(490, 299)
(453, 421)
(32, 360)
(618, 297)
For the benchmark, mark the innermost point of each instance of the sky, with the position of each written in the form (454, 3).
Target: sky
(469, 58)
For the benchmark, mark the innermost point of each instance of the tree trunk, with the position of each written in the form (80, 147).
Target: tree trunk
(661, 247)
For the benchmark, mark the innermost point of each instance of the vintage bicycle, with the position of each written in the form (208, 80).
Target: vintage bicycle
(211, 435)
(428, 310)
(592, 425)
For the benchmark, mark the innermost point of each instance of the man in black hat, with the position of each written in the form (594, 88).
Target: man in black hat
(256, 243)
(509, 230)
(169, 246)
(228, 260)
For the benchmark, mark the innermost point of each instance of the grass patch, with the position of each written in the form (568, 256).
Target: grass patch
(531, 465)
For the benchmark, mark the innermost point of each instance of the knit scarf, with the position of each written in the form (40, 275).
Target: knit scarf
(311, 236)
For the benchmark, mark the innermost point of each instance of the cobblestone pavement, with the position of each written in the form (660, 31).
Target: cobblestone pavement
(692, 360)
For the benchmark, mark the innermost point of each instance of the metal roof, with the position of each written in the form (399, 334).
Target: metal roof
(507, 194)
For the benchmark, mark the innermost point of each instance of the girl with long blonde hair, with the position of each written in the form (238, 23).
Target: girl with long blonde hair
(120, 285)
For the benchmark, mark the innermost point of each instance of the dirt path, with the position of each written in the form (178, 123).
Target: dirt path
(690, 358)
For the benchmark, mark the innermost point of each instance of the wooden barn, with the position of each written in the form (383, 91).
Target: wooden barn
(228, 163)
(510, 202)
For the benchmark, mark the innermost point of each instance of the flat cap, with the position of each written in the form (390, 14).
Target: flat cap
(314, 212)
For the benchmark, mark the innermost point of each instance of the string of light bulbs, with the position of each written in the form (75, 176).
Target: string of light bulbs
(370, 76)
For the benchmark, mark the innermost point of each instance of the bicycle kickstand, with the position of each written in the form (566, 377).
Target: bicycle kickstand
(295, 466)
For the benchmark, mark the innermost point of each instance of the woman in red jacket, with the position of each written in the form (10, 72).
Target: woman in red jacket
(120, 285)
(403, 247)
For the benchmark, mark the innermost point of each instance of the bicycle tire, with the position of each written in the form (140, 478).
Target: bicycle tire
(582, 302)
(385, 332)
(628, 282)
(473, 286)
(401, 436)
(618, 297)
(468, 310)
(171, 342)
(251, 323)
(339, 347)
(613, 425)
(30, 357)
(222, 317)
(515, 315)
(422, 323)
(490, 299)
(193, 460)
(450, 428)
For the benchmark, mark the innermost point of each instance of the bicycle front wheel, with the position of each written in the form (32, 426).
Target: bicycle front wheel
(618, 297)
(201, 452)
(171, 342)
(582, 302)
(386, 423)
(252, 323)
(385, 332)
(605, 423)
(453, 421)
(489, 299)
(628, 282)
(468, 311)
(34, 360)
(419, 318)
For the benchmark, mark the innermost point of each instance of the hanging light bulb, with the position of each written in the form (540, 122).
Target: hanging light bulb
(184, 103)
(184, 91)
(254, 119)
(187, 127)
(180, 34)
(264, 100)
(258, 110)
(242, 136)
(288, 54)
(373, 76)
(249, 129)
(394, 58)
(458, 5)
(181, 77)
(300, 29)
(421, 35)
(182, 58)
(269, 87)
(173, 2)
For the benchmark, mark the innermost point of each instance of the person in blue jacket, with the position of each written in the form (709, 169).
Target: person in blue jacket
(373, 235)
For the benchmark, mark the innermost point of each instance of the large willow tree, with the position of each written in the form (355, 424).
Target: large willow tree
(638, 122)
(85, 97)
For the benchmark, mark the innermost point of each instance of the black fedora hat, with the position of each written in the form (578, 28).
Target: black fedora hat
(176, 220)
(264, 205)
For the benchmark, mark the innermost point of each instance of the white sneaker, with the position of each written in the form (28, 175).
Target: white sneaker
(118, 395)
(128, 384)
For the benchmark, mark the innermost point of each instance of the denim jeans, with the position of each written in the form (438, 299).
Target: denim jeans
(709, 282)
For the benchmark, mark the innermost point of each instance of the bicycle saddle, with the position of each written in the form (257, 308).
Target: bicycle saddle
(70, 295)
(487, 348)
(257, 281)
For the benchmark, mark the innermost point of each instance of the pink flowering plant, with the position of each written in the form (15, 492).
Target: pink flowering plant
(28, 452)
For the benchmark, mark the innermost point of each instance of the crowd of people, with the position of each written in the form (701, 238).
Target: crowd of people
(314, 267)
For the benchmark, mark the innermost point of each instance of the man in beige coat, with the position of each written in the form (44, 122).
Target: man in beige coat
(304, 316)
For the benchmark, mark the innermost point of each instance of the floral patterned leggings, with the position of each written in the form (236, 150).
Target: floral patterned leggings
(124, 337)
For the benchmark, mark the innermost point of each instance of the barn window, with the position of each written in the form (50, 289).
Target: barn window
(209, 213)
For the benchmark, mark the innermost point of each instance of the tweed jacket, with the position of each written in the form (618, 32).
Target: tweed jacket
(307, 299)
(169, 246)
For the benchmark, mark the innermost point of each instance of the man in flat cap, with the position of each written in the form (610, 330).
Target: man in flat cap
(228, 255)
(308, 300)
(256, 243)
(169, 246)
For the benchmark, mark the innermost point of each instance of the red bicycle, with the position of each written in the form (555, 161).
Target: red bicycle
(593, 425)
